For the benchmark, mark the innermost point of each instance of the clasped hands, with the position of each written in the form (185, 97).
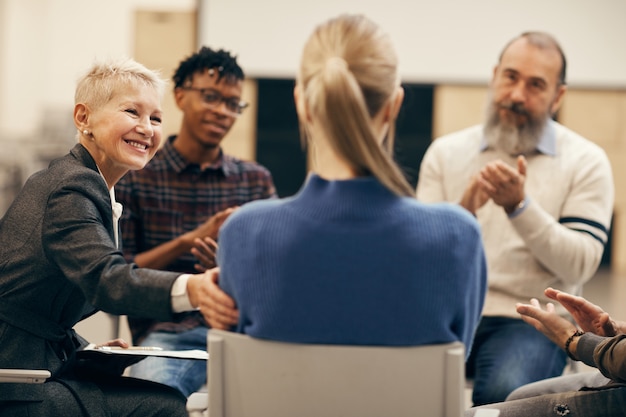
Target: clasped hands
(499, 182)
(205, 239)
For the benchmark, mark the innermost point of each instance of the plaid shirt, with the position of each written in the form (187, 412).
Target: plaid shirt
(170, 197)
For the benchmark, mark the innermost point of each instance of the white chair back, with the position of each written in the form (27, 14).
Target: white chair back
(253, 377)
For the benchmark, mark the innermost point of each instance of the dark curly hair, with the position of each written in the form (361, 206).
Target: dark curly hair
(206, 59)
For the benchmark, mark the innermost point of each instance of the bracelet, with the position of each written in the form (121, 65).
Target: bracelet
(569, 341)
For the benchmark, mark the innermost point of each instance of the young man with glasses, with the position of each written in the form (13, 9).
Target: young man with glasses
(174, 207)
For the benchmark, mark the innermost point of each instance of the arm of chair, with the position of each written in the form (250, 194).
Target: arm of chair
(197, 404)
(25, 376)
(487, 413)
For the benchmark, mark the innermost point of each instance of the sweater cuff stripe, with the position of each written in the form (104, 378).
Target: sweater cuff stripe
(598, 238)
(594, 229)
(597, 225)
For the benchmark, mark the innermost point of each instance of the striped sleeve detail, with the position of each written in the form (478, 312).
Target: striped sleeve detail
(594, 229)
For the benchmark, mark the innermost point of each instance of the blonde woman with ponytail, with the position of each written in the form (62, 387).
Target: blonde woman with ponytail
(353, 257)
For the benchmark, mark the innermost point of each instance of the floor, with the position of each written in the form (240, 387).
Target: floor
(606, 289)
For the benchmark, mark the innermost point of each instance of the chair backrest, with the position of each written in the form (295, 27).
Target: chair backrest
(253, 377)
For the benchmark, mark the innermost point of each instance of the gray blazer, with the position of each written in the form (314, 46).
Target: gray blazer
(58, 265)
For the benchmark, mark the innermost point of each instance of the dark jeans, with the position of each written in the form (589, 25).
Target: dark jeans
(508, 353)
(185, 375)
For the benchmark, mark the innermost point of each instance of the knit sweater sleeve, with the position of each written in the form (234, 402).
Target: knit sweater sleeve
(572, 255)
(448, 165)
(571, 246)
(608, 354)
(430, 185)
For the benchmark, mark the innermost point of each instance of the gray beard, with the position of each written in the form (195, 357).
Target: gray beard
(511, 139)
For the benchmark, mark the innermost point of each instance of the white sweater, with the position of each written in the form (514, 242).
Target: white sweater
(559, 238)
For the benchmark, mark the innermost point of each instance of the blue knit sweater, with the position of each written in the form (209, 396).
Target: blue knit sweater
(348, 262)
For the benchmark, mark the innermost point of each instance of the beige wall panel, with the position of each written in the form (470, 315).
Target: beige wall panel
(597, 115)
(618, 164)
(457, 107)
(618, 252)
(600, 116)
(162, 40)
(241, 140)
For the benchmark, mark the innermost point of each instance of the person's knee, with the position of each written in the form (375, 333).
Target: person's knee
(495, 386)
(168, 403)
(165, 409)
(519, 393)
(532, 389)
(173, 407)
(490, 394)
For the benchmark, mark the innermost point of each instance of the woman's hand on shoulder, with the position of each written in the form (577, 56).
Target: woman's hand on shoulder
(217, 307)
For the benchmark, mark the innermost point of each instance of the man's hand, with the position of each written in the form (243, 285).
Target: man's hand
(548, 322)
(217, 308)
(590, 317)
(161, 256)
(504, 184)
(211, 227)
(474, 197)
(204, 251)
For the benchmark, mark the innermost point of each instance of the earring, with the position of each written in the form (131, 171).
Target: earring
(86, 132)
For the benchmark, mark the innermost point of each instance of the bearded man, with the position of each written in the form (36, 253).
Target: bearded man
(543, 196)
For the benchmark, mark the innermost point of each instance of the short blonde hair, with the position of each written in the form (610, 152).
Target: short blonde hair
(103, 79)
(348, 71)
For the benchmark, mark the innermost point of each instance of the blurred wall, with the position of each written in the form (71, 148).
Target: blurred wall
(47, 44)
(438, 41)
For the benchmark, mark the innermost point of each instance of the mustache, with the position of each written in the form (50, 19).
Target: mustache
(517, 108)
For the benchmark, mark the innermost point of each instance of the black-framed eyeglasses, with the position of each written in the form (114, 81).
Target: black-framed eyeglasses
(213, 99)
